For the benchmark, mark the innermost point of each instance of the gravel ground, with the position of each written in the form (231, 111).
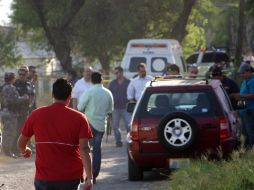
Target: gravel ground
(17, 174)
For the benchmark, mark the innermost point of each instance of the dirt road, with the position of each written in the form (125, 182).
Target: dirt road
(17, 174)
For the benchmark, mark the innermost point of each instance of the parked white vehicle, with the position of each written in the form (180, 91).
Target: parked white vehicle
(155, 53)
(205, 59)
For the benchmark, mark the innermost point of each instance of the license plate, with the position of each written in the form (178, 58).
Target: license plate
(178, 163)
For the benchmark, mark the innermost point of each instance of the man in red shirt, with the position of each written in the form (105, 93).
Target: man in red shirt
(61, 138)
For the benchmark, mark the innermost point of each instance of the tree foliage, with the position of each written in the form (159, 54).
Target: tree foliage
(100, 29)
(8, 55)
(54, 18)
(97, 29)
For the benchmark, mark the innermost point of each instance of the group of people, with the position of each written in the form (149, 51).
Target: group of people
(245, 94)
(64, 133)
(18, 99)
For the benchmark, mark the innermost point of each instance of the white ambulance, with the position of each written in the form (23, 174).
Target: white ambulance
(155, 53)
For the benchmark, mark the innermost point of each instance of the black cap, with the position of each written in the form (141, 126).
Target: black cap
(9, 75)
(216, 71)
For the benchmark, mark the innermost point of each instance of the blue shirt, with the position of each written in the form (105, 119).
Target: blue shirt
(247, 87)
(96, 103)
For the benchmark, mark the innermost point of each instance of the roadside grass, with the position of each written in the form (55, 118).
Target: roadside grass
(235, 174)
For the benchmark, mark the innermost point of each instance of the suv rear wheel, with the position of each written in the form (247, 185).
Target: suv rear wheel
(177, 131)
(135, 172)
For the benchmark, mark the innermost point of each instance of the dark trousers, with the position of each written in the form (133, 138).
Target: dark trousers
(96, 143)
(248, 128)
(56, 185)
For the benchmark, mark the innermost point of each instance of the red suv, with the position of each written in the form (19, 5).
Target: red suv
(179, 119)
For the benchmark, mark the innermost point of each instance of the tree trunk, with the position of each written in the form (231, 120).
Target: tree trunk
(240, 35)
(179, 29)
(231, 36)
(105, 63)
(57, 36)
(62, 50)
(249, 34)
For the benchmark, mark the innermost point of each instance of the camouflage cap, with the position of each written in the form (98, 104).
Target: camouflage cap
(9, 75)
(23, 68)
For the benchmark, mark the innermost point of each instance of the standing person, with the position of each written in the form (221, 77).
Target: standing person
(138, 84)
(10, 100)
(172, 71)
(96, 103)
(81, 86)
(24, 88)
(61, 137)
(118, 87)
(32, 79)
(247, 114)
(229, 84)
(32, 75)
(71, 77)
(192, 71)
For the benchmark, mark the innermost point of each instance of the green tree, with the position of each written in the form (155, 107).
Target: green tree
(240, 34)
(8, 55)
(55, 18)
(199, 33)
(99, 29)
(179, 30)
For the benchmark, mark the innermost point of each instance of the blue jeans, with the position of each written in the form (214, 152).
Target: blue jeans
(116, 116)
(96, 143)
(248, 128)
(56, 185)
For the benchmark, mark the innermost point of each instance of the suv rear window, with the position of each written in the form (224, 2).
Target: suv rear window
(193, 103)
(134, 63)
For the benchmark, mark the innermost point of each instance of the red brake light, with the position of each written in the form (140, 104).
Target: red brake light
(154, 45)
(224, 128)
(134, 129)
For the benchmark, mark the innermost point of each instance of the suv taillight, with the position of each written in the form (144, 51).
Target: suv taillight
(224, 128)
(134, 129)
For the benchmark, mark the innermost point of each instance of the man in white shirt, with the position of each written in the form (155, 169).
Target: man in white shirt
(81, 85)
(138, 84)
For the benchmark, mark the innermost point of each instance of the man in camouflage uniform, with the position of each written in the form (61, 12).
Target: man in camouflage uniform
(32, 79)
(10, 100)
(23, 88)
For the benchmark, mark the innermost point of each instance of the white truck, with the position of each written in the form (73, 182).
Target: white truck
(155, 53)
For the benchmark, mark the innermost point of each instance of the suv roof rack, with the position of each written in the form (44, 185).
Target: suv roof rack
(176, 77)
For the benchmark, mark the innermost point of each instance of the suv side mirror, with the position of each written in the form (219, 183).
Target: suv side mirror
(131, 106)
